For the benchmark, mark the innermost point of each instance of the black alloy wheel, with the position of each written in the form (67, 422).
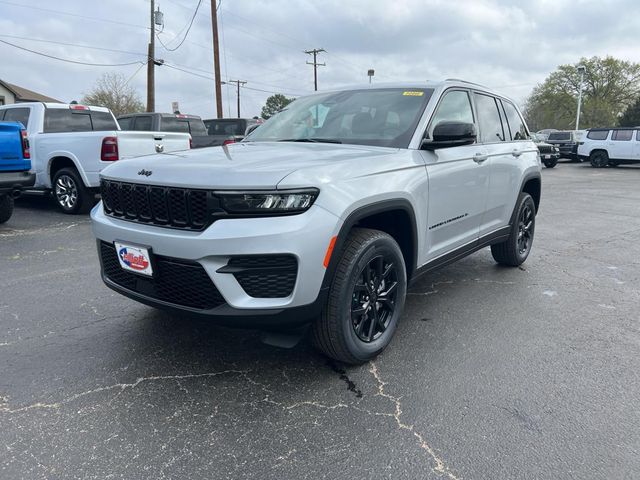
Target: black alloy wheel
(374, 298)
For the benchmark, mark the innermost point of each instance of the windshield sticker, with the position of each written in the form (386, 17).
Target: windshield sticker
(412, 94)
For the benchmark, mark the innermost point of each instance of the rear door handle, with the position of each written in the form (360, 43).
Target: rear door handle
(480, 157)
(516, 153)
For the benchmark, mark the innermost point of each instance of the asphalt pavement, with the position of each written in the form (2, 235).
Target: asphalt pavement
(494, 373)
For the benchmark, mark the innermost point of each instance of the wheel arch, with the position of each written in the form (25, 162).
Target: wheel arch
(64, 160)
(395, 217)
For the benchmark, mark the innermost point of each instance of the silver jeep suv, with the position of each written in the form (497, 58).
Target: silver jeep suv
(325, 213)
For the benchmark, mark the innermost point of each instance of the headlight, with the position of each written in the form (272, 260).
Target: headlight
(278, 201)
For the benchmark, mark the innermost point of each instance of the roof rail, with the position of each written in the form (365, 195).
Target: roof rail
(464, 81)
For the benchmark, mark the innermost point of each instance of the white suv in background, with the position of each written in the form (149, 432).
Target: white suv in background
(610, 146)
(326, 212)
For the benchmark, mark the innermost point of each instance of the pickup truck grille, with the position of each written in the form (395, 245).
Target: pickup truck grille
(183, 208)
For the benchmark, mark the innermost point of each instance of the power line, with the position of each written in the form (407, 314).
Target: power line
(186, 33)
(70, 61)
(55, 42)
(69, 14)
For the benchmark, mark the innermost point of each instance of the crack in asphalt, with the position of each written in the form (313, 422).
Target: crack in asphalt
(440, 467)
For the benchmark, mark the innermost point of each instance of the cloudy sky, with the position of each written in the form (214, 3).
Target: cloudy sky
(507, 45)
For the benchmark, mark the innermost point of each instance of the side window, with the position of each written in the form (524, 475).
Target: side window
(638, 135)
(125, 123)
(17, 115)
(598, 134)
(455, 106)
(172, 124)
(103, 121)
(488, 119)
(142, 123)
(622, 135)
(516, 124)
(64, 120)
(2, 114)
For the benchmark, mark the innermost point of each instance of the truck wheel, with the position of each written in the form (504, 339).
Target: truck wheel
(365, 299)
(69, 192)
(6, 207)
(515, 249)
(550, 163)
(599, 159)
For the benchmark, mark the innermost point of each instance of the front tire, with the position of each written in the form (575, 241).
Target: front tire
(6, 208)
(365, 299)
(550, 163)
(69, 193)
(515, 250)
(599, 159)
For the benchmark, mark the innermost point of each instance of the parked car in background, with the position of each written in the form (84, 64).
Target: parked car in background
(549, 154)
(610, 146)
(231, 128)
(169, 122)
(567, 143)
(326, 220)
(544, 133)
(15, 166)
(71, 143)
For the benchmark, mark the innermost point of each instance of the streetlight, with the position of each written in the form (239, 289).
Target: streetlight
(581, 70)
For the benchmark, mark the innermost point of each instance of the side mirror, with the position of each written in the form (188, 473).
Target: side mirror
(450, 134)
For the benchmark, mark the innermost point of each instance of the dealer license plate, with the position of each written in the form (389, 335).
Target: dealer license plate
(134, 258)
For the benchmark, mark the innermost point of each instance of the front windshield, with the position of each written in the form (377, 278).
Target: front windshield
(385, 117)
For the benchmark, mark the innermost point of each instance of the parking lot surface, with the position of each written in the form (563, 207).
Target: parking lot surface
(531, 372)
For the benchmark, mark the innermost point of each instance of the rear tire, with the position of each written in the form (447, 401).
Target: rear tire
(6, 208)
(515, 249)
(599, 159)
(365, 299)
(69, 192)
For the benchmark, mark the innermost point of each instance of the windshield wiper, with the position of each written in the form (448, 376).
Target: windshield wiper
(311, 140)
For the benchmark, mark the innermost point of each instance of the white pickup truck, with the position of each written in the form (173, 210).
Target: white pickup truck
(71, 144)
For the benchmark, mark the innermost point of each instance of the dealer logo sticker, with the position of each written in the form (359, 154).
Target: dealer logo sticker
(135, 259)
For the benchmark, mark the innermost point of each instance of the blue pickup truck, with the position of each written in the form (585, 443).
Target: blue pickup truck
(15, 166)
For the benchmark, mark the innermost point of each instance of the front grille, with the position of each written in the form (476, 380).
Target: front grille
(175, 281)
(183, 208)
(264, 276)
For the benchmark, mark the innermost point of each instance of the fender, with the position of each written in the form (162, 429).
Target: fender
(70, 156)
(363, 212)
(527, 177)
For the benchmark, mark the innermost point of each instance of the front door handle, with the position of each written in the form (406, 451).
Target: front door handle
(516, 153)
(480, 157)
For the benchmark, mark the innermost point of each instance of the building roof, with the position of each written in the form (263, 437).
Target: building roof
(25, 95)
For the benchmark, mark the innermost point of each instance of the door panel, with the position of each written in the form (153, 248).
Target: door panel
(457, 195)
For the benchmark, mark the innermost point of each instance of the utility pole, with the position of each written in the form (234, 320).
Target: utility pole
(151, 80)
(581, 70)
(216, 58)
(315, 64)
(238, 83)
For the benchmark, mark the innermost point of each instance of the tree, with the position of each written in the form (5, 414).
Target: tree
(112, 91)
(274, 104)
(631, 116)
(610, 86)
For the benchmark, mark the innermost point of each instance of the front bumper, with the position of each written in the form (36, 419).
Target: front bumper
(305, 237)
(12, 181)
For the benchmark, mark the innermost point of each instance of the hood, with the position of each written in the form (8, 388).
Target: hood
(256, 165)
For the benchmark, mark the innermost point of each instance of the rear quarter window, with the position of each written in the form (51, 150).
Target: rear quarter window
(103, 121)
(516, 124)
(598, 134)
(17, 115)
(622, 135)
